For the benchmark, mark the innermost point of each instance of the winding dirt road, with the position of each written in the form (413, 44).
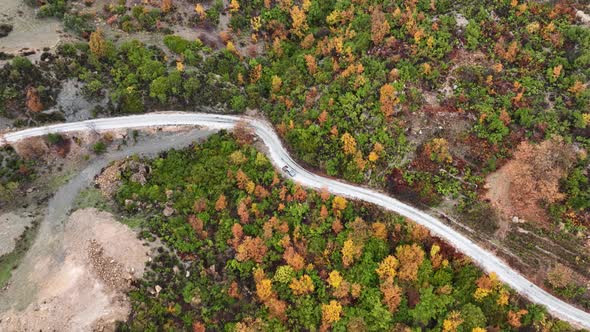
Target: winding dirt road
(280, 157)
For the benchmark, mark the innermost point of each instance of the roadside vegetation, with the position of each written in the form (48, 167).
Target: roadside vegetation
(248, 250)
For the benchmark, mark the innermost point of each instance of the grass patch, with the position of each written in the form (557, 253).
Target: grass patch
(134, 222)
(55, 182)
(91, 198)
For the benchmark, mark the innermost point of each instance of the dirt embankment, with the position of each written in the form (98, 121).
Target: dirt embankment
(87, 291)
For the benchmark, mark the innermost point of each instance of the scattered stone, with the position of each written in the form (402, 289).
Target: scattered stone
(108, 180)
(461, 21)
(169, 194)
(168, 211)
(107, 269)
(583, 17)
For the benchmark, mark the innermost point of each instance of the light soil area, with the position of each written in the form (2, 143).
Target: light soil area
(12, 225)
(101, 257)
(29, 32)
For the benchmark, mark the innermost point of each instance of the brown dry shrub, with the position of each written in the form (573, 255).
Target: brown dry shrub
(560, 276)
(31, 148)
(243, 133)
(534, 175)
(33, 101)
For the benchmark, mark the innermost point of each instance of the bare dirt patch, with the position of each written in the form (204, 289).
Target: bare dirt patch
(87, 291)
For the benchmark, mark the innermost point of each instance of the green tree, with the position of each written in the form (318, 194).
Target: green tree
(472, 34)
(472, 317)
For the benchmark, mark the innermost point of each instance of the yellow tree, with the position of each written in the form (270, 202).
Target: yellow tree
(379, 26)
(438, 150)
(234, 6)
(256, 73)
(166, 5)
(232, 48)
(264, 289)
(410, 258)
(348, 144)
(350, 252)
(485, 286)
(200, 11)
(435, 256)
(452, 322)
(376, 153)
(388, 100)
(256, 23)
(302, 286)
(277, 83)
(311, 64)
(179, 66)
(339, 203)
(299, 21)
(380, 230)
(97, 44)
(331, 312)
(387, 268)
(335, 279)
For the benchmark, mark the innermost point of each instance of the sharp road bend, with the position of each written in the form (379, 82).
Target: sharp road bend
(280, 157)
